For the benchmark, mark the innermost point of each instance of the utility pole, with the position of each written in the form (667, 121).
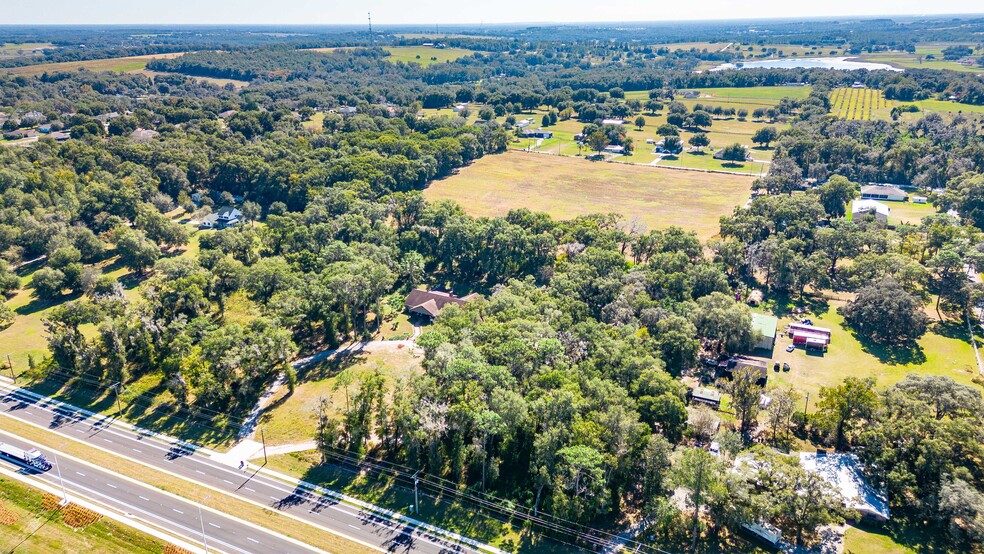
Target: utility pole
(263, 439)
(119, 406)
(807, 407)
(202, 521)
(416, 499)
(10, 365)
(64, 500)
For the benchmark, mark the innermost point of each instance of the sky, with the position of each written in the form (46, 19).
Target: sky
(449, 11)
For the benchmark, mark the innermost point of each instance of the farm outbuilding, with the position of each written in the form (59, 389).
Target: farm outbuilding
(764, 330)
(843, 472)
(707, 396)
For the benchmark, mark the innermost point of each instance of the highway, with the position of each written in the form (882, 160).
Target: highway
(163, 511)
(379, 532)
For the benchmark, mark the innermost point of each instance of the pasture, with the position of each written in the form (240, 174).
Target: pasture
(118, 65)
(568, 187)
(775, 50)
(425, 55)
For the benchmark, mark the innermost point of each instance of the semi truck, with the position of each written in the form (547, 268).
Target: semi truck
(32, 457)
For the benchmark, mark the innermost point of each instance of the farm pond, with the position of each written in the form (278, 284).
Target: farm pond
(822, 63)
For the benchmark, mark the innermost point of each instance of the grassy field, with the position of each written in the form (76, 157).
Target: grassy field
(215, 81)
(865, 541)
(36, 529)
(859, 103)
(907, 212)
(425, 55)
(918, 59)
(119, 65)
(293, 418)
(769, 51)
(12, 50)
(567, 187)
(944, 350)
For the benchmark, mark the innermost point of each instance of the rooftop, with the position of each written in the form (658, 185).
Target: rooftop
(843, 471)
(764, 323)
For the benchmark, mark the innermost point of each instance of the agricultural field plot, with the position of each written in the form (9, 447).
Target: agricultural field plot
(568, 187)
(769, 51)
(859, 103)
(908, 212)
(687, 46)
(918, 61)
(752, 96)
(13, 50)
(425, 55)
(118, 65)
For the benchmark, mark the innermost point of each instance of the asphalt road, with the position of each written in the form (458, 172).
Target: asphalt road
(317, 509)
(158, 509)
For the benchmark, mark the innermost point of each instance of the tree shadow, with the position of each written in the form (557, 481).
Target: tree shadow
(952, 330)
(333, 365)
(38, 304)
(908, 353)
(916, 536)
(732, 165)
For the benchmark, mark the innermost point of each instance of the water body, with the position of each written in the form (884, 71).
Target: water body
(821, 63)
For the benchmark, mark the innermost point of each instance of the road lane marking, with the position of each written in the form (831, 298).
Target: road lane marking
(177, 510)
(111, 485)
(143, 498)
(252, 539)
(214, 525)
(228, 481)
(199, 471)
(80, 473)
(354, 527)
(138, 450)
(249, 489)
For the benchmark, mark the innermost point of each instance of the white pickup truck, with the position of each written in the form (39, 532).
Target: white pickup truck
(32, 457)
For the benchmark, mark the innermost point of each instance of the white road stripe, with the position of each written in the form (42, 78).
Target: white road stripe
(214, 525)
(111, 485)
(80, 473)
(228, 481)
(252, 539)
(177, 510)
(144, 498)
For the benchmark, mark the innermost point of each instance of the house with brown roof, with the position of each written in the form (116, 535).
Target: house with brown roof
(429, 303)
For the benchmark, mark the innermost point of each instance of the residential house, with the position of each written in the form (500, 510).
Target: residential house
(429, 303)
(460, 107)
(226, 217)
(615, 149)
(919, 199)
(348, 111)
(739, 363)
(17, 134)
(524, 123)
(843, 472)
(707, 396)
(861, 208)
(227, 114)
(60, 136)
(618, 122)
(143, 135)
(891, 193)
(691, 94)
(538, 133)
(764, 330)
(660, 147)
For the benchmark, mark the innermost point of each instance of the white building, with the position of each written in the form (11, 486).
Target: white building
(860, 208)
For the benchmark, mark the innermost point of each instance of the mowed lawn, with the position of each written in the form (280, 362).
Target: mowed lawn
(425, 55)
(568, 187)
(944, 350)
(120, 65)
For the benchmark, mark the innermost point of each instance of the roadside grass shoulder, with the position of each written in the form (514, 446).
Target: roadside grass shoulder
(39, 530)
(262, 517)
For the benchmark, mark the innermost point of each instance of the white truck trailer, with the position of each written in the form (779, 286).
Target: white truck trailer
(32, 457)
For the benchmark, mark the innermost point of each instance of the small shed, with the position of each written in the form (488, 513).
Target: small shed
(755, 297)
